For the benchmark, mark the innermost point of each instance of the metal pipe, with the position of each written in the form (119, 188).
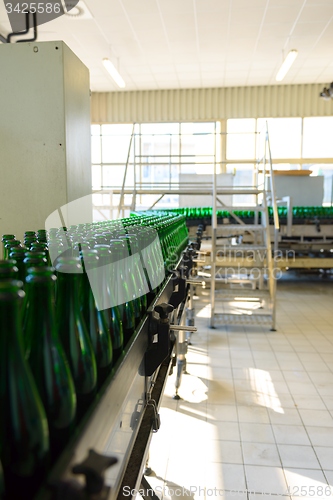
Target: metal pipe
(179, 328)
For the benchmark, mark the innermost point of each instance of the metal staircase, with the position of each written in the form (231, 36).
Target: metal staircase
(240, 265)
(242, 274)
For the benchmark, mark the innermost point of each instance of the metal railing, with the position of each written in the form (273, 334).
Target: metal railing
(264, 190)
(269, 194)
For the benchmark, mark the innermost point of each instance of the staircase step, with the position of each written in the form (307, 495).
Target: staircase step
(233, 251)
(231, 293)
(243, 319)
(239, 228)
(237, 263)
(240, 280)
(238, 190)
(241, 248)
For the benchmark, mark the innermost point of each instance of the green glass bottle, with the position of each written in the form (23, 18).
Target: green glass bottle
(4, 239)
(42, 235)
(116, 332)
(113, 294)
(46, 357)
(97, 321)
(138, 271)
(73, 331)
(8, 270)
(28, 234)
(23, 425)
(39, 247)
(149, 255)
(2, 481)
(119, 290)
(33, 259)
(9, 244)
(29, 240)
(127, 275)
(18, 254)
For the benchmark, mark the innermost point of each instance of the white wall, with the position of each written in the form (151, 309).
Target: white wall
(210, 104)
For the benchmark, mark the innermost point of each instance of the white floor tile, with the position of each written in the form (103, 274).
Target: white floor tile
(225, 452)
(306, 402)
(260, 454)
(329, 477)
(265, 480)
(296, 376)
(290, 434)
(322, 377)
(228, 495)
(267, 364)
(285, 401)
(304, 482)
(288, 416)
(325, 457)
(178, 476)
(298, 456)
(320, 436)
(310, 498)
(316, 417)
(267, 497)
(256, 433)
(223, 413)
(290, 364)
(248, 389)
(303, 388)
(220, 392)
(251, 398)
(243, 385)
(225, 477)
(220, 374)
(312, 366)
(226, 431)
(328, 402)
(241, 373)
(255, 414)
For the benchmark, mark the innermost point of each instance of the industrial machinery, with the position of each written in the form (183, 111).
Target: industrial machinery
(108, 450)
(305, 238)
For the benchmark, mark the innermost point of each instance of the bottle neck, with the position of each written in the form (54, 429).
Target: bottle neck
(10, 326)
(68, 290)
(41, 296)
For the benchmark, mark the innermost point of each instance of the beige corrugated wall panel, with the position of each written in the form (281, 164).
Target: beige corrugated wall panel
(209, 104)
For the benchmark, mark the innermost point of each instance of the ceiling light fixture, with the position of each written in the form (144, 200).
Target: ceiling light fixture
(113, 73)
(75, 10)
(286, 65)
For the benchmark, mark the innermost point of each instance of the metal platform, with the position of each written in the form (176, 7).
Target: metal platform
(242, 319)
(240, 292)
(239, 228)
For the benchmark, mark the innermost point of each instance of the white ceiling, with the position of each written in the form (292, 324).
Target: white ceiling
(161, 44)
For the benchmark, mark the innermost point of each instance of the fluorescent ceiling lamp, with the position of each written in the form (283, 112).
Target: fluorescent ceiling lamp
(113, 73)
(286, 65)
(74, 9)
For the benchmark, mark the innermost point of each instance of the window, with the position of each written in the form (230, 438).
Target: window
(317, 137)
(285, 136)
(241, 139)
(243, 176)
(159, 153)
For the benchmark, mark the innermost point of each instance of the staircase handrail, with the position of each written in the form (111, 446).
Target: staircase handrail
(121, 201)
